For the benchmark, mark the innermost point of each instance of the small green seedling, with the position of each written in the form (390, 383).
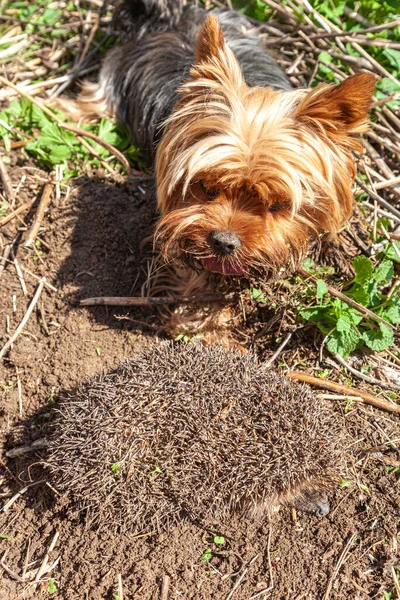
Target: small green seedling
(153, 474)
(219, 540)
(207, 555)
(344, 483)
(258, 295)
(52, 586)
(117, 467)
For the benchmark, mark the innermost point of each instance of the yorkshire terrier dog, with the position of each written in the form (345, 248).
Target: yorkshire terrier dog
(248, 170)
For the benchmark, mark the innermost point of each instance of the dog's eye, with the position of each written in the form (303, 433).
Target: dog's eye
(276, 207)
(207, 191)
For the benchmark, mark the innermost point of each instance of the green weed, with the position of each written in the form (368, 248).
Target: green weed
(207, 555)
(346, 328)
(118, 467)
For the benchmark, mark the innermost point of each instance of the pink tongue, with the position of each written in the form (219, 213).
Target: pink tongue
(226, 268)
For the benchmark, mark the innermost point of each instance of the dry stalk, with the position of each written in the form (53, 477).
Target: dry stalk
(15, 213)
(165, 588)
(347, 391)
(242, 576)
(363, 377)
(339, 564)
(6, 181)
(44, 202)
(25, 319)
(152, 300)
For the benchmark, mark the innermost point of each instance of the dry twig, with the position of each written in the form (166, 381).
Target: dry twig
(143, 301)
(339, 564)
(21, 450)
(275, 355)
(363, 377)
(242, 576)
(347, 391)
(6, 181)
(44, 201)
(165, 588)
(24, 321)
(15, 213)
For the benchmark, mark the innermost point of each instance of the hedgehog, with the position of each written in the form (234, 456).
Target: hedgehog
(188, 432)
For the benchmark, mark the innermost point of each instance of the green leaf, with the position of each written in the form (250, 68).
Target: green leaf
(59, 154)
(257, 295)
(3, 536)
(344, 323)
(379, 340)
(219, 540)
(354, 316)
(391, 314)
(325, 57)
(344, 483)
(15, 109)
(384, 272)
(388, 85)
(343, 342)
(363, 268)
(52, 586)
(308, 265)
(322, 288)
(116, 467)
(359, 294)
(316, 314)
(51, 16)
(393, 57)
(207, 555)
(390, 251)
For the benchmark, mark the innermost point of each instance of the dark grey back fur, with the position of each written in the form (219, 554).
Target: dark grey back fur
(141, 77)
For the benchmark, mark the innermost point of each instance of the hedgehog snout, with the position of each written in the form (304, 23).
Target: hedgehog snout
(314, 502)
(322, 508)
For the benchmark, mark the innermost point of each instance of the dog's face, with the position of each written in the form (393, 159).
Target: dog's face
(246, 176)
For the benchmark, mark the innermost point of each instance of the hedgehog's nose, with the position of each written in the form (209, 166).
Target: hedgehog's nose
(322, 508)
(225, 242)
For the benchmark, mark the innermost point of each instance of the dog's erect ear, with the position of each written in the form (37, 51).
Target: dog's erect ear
(210, 40)
(344, 106)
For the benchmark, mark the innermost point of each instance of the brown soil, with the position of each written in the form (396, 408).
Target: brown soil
(94, 247)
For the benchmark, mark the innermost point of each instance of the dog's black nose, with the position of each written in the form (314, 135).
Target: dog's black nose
(224, 242)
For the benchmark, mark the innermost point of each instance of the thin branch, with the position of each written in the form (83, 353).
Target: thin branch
(25, 319)
(347, 391)
(21, 450)
(140, 301)
(165, 588)
(6, 181)
(242, 576)
(15, 213)
(378, 198)
(275, 355)
(363, 377)
(44, 201)
(339, 564)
